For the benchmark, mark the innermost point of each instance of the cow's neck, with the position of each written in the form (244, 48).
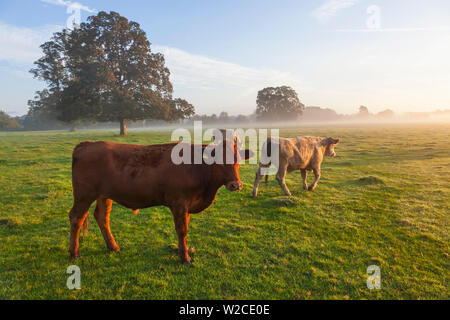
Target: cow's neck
(213, 182)
(208, 188)
(322, 148)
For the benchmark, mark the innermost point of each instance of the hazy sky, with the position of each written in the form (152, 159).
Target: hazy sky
(334, 53)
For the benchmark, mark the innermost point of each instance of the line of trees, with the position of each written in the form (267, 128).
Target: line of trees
(224, 118)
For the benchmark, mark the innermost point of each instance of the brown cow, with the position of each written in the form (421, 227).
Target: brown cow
(137, 177)
(301, 153)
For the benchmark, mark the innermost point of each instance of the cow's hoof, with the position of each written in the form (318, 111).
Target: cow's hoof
(73, 256)
(114, 249)
(305, 187)
(311, 188)
(187, 261)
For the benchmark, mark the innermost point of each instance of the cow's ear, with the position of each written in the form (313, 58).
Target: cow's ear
(246, 154)
(331, 141)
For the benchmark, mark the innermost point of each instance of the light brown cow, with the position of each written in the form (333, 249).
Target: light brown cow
(301, 153)
(137, 177)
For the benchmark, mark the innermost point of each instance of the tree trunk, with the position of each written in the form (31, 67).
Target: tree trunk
(123, 127)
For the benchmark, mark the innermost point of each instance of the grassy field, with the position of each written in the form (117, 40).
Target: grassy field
(383, 201)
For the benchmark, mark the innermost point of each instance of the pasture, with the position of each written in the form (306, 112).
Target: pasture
(384, 200)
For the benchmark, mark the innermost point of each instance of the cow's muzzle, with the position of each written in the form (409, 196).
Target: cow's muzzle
(331, 154)
(234, 186)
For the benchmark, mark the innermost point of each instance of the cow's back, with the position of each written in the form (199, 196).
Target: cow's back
(300, 152)
(110, 157)
(138, 176)
(132, 175)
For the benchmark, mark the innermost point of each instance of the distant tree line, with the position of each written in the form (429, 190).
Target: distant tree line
(310, 114)
(224, 118)
(318, 114)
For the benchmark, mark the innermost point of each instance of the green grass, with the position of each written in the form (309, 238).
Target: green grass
(384, 200)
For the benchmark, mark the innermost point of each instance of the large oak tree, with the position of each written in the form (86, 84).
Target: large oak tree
(277, 104)
(105, 71)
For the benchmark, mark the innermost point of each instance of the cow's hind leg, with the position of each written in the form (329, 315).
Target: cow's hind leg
(77, 216)
(181, 219)
(102, 212)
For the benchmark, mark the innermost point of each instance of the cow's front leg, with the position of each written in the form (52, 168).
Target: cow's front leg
(281, 178)
(181, 219)
(102, 213)
(316, 180)
(304, 177)
(258, 178)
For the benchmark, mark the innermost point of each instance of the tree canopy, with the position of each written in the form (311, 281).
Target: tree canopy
(279, 103)
(181, 109)
(364, 111)
(105, 71)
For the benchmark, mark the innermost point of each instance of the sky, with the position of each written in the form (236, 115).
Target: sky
(337, 54)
